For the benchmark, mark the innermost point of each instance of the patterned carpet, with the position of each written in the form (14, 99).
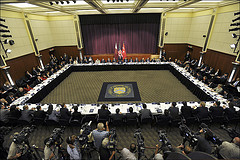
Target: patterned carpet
(154, 86)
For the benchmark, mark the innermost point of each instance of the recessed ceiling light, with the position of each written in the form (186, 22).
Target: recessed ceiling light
(119, 9)
(53, 12)
(111, 2)
(85, 10)
(72, 3)
(22, 5)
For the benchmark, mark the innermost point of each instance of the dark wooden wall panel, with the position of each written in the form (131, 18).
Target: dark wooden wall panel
(176, 51)
(215, 59)
(19, 65)
(3, 78)
(69, 50)
(45, 56)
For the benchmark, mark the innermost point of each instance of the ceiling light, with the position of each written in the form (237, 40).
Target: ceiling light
(51, 3)
(8, 51)
(67, 2)
(61, 2)
(56, 2)
(232, 46)
(11, 42)
(6, 41)
(53, 12)
(186, 8)
(22, 5)
(234, 35)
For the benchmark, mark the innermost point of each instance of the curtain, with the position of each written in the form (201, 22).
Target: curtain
(138, 32)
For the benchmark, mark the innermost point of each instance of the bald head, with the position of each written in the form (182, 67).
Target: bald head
(236, 140)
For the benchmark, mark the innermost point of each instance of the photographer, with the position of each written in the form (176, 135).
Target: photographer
(99, 134)
(50, 150)
(53, 145)
(203, 144)
(129, 153)
(230, 150)
(73, 148)
(18, 150)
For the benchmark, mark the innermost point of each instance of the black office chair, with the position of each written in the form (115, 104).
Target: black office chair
(63, 122)
(88, 118)
(50, 122)
(12, 121)
(117, 123)
(206, 120)
(39, 121)
(75, 122)
(132, 122)
(102, 120)
(162, 121)
(200, 156)
(23, 122)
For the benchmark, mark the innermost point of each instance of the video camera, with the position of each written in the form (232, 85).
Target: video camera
(231, 132)
(84, 132)
(165, 141)
(210, 135)
(140, 141)
(187, 134)
(56, 137)
(113, 139)
(23, 136)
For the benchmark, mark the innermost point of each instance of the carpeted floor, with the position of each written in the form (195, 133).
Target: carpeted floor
(154, 86)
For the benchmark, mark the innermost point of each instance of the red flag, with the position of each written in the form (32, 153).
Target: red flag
(116, 52)
(124, 51)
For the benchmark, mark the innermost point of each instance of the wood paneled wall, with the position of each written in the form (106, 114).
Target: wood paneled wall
(69, 50)
(212, 58)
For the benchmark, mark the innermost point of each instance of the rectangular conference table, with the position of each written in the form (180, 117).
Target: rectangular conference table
(197, 87)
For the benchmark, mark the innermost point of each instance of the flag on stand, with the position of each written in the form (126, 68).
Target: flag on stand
(116, 52)
(124, 51)
(119, 49)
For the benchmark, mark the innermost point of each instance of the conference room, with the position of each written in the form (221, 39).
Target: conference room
(120, 79)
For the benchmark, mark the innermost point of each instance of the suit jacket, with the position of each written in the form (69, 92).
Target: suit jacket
(202, 112)
(15, 113)
(186, 111)
(174, 112)
(26, 115)
(39, 114)
(131, 115)
(103, 113)
(145, 113)
(230, 113)
(10, 99)
(216, 111)
(76, 116)
(65, 114)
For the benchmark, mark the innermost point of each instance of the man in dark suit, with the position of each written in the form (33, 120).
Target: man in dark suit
(174, 111)
(76, 115)
(230, 112)
(186, 110)
(216, 109)
(145, 113)
(104, 113)
(131, 114)
(117, 116)
(10, 98)
(187, 56)
(202, 111)
(40, 114)
(26, 114)
(65, 113)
